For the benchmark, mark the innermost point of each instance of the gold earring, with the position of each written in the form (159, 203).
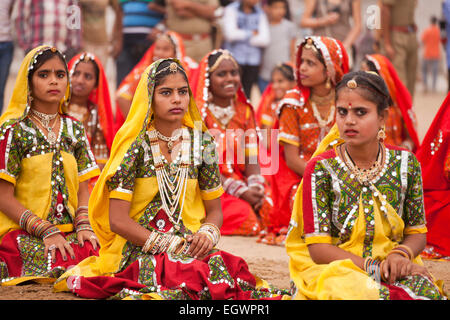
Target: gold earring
(328, 84)
(382, 133)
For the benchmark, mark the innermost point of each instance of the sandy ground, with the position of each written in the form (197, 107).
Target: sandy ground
(267, 262)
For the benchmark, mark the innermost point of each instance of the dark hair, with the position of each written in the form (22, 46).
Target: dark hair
(215, 56)
(286, 70)
(159, 78)
(286, 4)
(96, 71)
(372, 67)
(434, 19)
(44, 57)
(370, 86)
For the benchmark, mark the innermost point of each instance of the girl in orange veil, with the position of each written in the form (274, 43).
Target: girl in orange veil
(401, 124)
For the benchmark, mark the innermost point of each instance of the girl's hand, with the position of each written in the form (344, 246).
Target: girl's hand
(58, 242)
(396, 267)
(87, 235)
(200, 245)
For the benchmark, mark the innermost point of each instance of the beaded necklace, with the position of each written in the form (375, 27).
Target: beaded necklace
(172, 188)
(323, 122)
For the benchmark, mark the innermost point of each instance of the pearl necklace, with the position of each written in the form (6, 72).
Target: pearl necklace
(169, 140)
(171, 188)
(224, 115)
(323, 123)
(44, 119)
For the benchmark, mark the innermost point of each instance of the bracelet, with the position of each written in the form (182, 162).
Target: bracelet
(36, 226)
(407, 249)
(255, 179)
(372, 267)
(211, 231)
(82, 208)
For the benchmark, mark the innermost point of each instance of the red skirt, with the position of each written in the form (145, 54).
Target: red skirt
(219, 276)
(437, 209)
(22, 257)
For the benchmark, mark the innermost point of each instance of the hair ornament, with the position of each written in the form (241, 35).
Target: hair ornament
(352, 84)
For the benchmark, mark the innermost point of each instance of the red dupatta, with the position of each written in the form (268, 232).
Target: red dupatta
(99, 96)
(434, 157)
(399, 94)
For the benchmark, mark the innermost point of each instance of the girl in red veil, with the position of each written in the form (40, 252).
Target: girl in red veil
(434, 157)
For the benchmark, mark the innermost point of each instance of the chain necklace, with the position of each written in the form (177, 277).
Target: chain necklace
(172, 189)
(364, 176)
(170, 140)
(44, 119)
(322, 122)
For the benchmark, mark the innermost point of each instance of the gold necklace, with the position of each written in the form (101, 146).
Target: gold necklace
(364, 176)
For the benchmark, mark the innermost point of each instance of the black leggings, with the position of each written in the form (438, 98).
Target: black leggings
(249, 77)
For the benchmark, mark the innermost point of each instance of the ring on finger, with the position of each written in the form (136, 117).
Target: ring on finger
(93, 237)
(52, 247)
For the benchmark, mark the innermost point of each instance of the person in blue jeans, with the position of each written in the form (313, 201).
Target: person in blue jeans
(6, 46)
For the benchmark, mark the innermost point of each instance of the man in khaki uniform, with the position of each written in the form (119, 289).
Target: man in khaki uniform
(399, 40)
(193, 21)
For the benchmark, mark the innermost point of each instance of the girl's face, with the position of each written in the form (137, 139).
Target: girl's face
(171, 98)
(84, 79)
(49, 82)
(163, 49)
(225, 80)
(280, 84)
(312, 71)
(357, 119)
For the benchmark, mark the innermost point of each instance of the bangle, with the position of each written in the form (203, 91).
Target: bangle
(82, 208)
(407, 249)
(372, 267)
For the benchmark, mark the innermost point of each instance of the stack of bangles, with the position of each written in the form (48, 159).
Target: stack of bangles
(256, 180)
(237, 187)
(373, 268)
(160, 242)
(36, 226)
(211, 231)
(403, 250)
(81, 221)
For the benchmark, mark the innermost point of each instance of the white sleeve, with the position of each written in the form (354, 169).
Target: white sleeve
(231, 32)
(262, 39)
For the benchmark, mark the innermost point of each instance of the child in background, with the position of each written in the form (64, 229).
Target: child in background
(282, 40)
(246, 31)
(282, 80)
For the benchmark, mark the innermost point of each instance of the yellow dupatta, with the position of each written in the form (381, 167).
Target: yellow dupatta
(32, 198)
(136, 124)
(341, 278)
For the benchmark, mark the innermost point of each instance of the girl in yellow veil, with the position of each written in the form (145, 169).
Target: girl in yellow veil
(45, 165)
(358, 225)
(156, 206)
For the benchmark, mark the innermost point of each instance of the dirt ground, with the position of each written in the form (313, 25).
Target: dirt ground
(267, 262)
